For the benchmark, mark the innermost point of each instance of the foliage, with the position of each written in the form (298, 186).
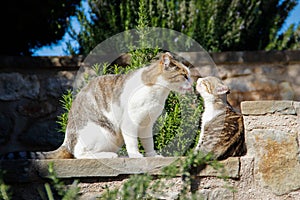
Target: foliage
(60, 188)
(32, 24)
(5, 192)
(177, 128)
(134, 188)
(66, 103)
(290, 39)
(220, 25)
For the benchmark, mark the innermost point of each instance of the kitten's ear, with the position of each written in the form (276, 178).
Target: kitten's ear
(166, 59)
(222, 89)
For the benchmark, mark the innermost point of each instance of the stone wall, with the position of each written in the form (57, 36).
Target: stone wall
(31, 88)
(269, 170)
(30, 91)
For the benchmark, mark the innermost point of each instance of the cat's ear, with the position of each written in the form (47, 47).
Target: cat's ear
(166, 59)
(222, 89)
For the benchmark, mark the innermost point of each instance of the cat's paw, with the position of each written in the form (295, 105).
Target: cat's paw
(152, 154)
(135, 155)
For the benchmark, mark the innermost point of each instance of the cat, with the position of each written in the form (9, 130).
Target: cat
(222, 130)
(115, 109)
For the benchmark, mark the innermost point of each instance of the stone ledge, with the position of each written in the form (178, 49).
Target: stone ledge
(256, 57)
(270, 107)
(40, 62)
(34, 170)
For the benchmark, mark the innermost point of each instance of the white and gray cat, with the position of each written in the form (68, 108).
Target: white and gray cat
(115, 109)
(222, 130)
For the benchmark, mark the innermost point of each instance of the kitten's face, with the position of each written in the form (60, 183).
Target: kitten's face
(176, 74)
(211, 86)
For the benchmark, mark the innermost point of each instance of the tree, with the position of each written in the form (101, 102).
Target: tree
(32, 24)
(219, 25)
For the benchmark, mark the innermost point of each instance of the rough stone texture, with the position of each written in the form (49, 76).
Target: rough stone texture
(231, 169)
(269, 107)
(259, 82)
(272, 138)
(30, 103)
(14, 86)
(277, 167)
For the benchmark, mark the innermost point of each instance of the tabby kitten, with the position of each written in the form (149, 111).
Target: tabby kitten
(222, 130)
(115, 109)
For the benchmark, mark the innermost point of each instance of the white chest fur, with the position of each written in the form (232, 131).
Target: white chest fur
(140, 101)
(209, 113)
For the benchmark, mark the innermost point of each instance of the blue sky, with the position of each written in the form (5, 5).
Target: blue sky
(59, 48)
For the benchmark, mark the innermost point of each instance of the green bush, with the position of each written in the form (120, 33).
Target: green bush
(220, 25)
(58, 189)
(177, 128)
(66, 103)
(5, 192)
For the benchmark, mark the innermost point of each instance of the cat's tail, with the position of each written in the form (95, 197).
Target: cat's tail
(60, 153)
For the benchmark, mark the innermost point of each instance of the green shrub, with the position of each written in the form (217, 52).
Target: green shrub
(5, 192)
(177, 128)
(59, 187)
(66, 103)
(220, 25)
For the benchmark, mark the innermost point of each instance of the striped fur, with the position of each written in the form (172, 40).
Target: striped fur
(222, 131)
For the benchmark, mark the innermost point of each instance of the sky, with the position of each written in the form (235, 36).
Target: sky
(59, 48)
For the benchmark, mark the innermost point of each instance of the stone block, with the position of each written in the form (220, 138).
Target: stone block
(231, 169)
(36, 109)
(6, 126)
(285, 123)
(297, 107)
(292, 56)
(221, 194)
(276, 160)
(42, 135)
(15, 85)
(267, 107)
(216, 194)
(28, 170)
